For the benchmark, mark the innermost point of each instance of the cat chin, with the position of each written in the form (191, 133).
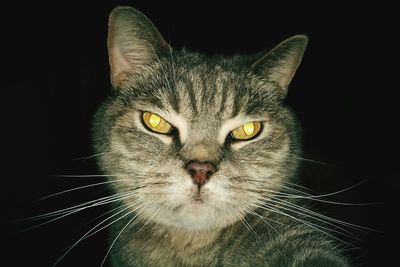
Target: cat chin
(196, 216)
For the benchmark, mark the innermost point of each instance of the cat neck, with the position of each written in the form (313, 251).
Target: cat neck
(185, 238)
(191, 247)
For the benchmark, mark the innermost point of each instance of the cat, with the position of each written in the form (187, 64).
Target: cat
(203, 154)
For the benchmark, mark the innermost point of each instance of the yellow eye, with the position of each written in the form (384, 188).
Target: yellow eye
(246, 131)
(156, 123)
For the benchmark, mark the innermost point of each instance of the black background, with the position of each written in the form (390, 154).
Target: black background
(55, 73)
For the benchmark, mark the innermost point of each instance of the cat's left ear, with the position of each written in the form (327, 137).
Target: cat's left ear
(280, 64)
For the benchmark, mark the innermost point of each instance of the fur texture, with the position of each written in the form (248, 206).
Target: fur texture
(243, 215)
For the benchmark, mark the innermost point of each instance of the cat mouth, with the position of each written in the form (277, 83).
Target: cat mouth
(198, 197)
(198, 203)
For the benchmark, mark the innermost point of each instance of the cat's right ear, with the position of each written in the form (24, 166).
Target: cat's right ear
(133, 42)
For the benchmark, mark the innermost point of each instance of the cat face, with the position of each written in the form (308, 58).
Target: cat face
(194, 142)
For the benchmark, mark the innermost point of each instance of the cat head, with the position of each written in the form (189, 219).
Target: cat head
(194, 142)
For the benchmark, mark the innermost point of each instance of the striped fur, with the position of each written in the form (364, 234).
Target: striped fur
(204, 98)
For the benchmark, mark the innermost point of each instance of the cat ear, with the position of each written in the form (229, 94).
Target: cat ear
(133, 42)
(280, 64)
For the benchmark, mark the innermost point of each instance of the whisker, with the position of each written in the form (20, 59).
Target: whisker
(92, 203)
(316, 216)
(311, 225)
(260, 182)
(102, 215)
(86, 235)
(345, 232)
(273, 192)
(285, 194)
(154, 214)
(327, 218)
(129, 222)
(87, 175)
(317, 198)
(79, 188)
(133, 174)
(316, 161)
(89, 157)
(115, 239)
(88, 204)
(104, 227)
(340, 191)
(246, 224)
(70, 212)
(339, 203)
(254, 213)
(290, 189)
(59, 214)
(297, 185)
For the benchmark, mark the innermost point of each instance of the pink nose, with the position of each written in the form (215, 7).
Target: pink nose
(200, 171)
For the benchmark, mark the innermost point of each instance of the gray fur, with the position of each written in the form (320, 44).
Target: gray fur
(165, 227)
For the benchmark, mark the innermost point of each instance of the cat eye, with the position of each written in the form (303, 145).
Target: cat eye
(246, 131)
(156, 123)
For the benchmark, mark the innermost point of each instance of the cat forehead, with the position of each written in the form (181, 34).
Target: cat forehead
(203, 94)
(198, 89)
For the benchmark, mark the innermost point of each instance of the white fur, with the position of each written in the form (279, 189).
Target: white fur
(183, 212)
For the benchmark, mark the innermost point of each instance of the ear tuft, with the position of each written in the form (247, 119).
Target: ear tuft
(280, 64)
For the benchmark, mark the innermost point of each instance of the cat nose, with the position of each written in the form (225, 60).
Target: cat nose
(200, 171)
